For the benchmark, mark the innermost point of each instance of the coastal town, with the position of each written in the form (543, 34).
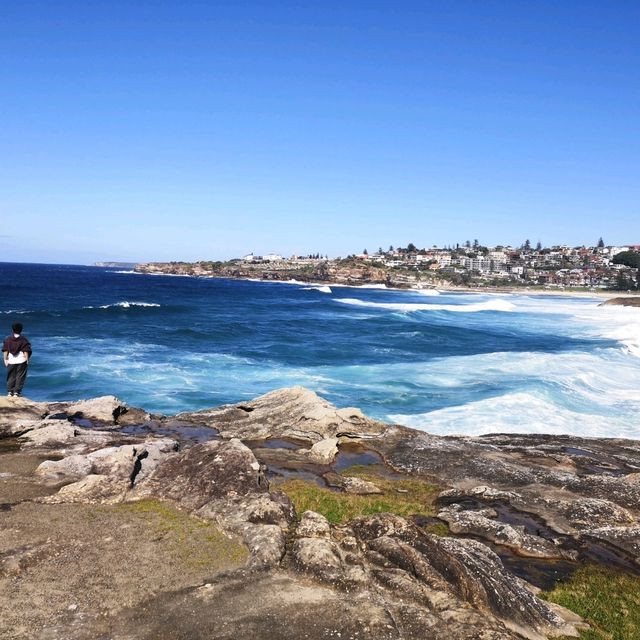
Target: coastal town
(471, 264)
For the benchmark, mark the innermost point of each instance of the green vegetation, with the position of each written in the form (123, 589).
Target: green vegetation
(608, 600)
(195, 542)
(628, 258)
(401, 496)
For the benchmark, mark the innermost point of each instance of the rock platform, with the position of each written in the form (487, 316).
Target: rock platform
(193, 538)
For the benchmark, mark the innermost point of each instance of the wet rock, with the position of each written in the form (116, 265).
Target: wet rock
(475, 523)
(296, 413)
(626, 538)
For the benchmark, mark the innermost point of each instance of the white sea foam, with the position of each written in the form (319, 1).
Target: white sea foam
(490, 305)
(427, 292)
(125, 304)
(519, 412)
(128, 272)
(321, 288)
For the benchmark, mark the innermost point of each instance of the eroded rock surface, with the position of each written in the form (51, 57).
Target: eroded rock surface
(286, 413)
(538, 496)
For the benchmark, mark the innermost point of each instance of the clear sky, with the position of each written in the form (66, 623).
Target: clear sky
(183, 130)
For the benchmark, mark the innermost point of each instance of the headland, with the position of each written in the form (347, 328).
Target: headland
(560, 269)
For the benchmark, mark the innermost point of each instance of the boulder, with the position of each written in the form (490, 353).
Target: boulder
(223, 481)
(131, 463)
(63, 437)
(323, 452)
(204, 472)
(104, 409)
(313, 525)
(349, 484)
(592, 512)
(296, 413)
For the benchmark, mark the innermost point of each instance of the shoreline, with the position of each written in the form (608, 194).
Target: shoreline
(528, 291)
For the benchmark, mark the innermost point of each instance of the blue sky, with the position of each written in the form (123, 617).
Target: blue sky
(187, 130)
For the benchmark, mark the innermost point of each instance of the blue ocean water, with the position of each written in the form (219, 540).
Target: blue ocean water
(447, 363)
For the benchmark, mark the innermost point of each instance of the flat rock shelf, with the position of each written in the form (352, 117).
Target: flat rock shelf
(286, 518)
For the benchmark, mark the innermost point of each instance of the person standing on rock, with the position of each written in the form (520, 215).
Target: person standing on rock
(16, 351)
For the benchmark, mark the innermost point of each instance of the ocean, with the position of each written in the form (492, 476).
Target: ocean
(447, 363)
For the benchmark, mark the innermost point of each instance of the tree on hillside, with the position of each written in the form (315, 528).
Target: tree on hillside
(467, 244)
(365, 252)
(476, 244)
(539, 246)
(380, 252)
(527, 245)
(628, 258)
(601, 243)
(411, 248)
(390, 248)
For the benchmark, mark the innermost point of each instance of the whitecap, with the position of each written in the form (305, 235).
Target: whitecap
(321, 288)
(125, 304)
(489, 305)
(519, 412)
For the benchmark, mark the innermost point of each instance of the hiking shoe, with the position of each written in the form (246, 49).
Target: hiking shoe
(10, 394)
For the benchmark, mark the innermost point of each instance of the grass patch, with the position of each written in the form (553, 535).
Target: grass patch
(607, 599)
(438, 529)
(402, 497)
(195, 542)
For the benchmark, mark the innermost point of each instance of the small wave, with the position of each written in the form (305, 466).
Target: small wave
(128, 272)
(321, 288)
(490, 305)
(428, 292)
(125, 304)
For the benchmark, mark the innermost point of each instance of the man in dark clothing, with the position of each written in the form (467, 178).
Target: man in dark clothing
(16, 351)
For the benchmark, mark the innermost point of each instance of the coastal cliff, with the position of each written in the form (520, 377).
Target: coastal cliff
(349, 272)
(286, 517)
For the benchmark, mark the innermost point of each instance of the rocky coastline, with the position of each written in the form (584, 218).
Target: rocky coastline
(119, 524)
(320, 272)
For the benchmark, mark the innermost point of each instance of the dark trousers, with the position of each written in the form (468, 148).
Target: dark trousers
(16, 375)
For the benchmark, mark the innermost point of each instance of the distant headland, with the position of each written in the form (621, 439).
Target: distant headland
(601, 267)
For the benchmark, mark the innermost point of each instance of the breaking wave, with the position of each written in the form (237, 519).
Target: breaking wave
(473, 307)
(125, 304)
(321, 288)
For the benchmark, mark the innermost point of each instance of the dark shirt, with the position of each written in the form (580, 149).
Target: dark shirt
(16, 345)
